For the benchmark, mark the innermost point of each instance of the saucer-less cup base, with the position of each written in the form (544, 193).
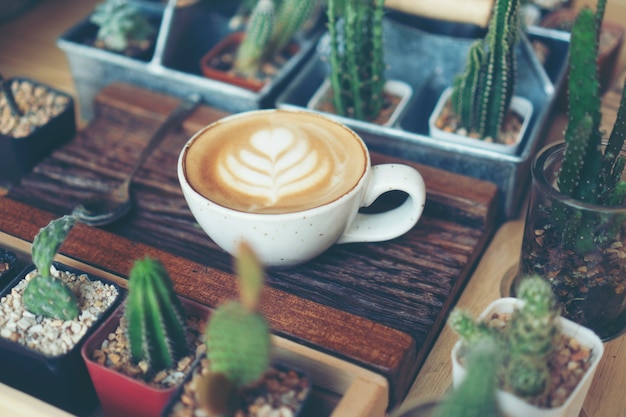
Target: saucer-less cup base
(288, 239)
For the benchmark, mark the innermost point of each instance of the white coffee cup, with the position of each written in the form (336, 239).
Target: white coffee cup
(290, 184)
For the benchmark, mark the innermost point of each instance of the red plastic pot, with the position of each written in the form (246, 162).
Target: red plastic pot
(119, 394)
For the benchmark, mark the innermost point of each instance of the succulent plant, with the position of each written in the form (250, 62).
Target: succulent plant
(237, 337)
(587, 173)
(356, 57)
(121, 25)
(476, 395)
(482, 94)
(46, 295)
(269, 29)
(526, 341)
(157, 330)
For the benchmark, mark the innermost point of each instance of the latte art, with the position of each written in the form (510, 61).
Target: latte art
(275, 164)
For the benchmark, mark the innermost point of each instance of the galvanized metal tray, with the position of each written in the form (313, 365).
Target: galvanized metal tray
(428, 62)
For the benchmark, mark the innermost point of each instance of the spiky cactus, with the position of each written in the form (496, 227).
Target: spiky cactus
(482, 94)
(270, 28)
(356, 57)
(237, 336)
(587, 173)
(476, 395)
(155, 318)
(46, 295)
(532, 333)
(526, 340)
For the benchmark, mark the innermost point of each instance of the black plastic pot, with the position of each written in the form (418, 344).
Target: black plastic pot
(8, 266)
(60, 380)
(19, 155)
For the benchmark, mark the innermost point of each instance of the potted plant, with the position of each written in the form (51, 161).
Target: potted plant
(123, 29)
(356, 86)
(576, 222)
(251, 58)
(546, 362)
(236, 377)
(46, 314)
(480, 109)
(34, 120)
(138, 357)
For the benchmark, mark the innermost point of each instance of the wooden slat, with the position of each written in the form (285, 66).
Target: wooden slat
(406, 285)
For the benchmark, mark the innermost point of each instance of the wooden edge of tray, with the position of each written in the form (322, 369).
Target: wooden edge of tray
(363, 393)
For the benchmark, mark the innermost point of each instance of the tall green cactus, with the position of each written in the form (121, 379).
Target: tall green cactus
(526, 341)
(157, 323)
(46, 295)
(587, 173)
(270, 28)
(237, 336)
(482, 93)
(356, 57)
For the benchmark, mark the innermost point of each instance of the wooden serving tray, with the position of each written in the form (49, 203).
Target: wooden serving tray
(340, 388)
(378, 305)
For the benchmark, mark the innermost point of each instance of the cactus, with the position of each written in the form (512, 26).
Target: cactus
(46, 295)
(482, 94)
(526, 341)
(532, 333)
(156, 320)
(121, 25)
(268, 31)
(588, 174)
(237, 335)
(356, 57)
(476, 395)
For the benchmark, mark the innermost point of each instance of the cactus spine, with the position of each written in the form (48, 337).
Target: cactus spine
(482, 93)
(526, 341)
(588, 174)
(356, 57)
(46, 295)
(237, 338)
(156, 320)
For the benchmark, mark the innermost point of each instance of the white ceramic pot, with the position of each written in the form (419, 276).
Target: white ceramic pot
(519, 105)
(392, 87)
(513, 406)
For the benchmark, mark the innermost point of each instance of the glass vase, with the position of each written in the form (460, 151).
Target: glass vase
(579, 248)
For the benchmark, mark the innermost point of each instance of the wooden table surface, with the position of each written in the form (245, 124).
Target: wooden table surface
(28, 48)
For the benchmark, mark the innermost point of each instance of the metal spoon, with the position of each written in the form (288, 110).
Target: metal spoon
(103, 209)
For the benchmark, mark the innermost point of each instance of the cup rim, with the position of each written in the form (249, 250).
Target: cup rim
(358, 185)
(538, 177)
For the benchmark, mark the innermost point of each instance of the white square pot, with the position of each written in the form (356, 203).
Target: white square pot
(513, 406)
(519, 105)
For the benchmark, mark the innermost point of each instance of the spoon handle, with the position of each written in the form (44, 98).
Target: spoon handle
(185, 107)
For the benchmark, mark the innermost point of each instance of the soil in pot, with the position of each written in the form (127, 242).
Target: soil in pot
(590, 287)
(38, 103)
(448, 121)
(281, 392)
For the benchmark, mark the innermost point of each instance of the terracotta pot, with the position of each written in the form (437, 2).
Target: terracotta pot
(61, 380)
(19, 155)
(119, 394)
(214, 66)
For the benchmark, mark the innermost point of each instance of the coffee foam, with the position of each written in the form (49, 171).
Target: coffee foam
(275, 162)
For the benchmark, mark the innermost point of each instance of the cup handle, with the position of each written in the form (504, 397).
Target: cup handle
(389, 224)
